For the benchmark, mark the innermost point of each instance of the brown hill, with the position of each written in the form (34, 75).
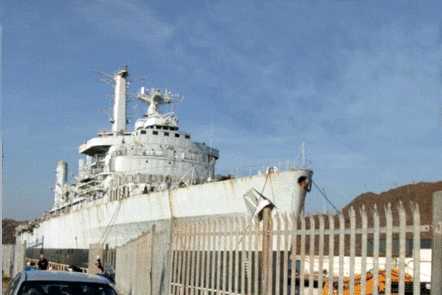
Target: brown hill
(8, 230)
(411, 194)
(420, 193)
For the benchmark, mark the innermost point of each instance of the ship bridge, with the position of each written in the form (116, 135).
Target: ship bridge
(101, 143)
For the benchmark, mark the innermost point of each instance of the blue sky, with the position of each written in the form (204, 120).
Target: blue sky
(358, 81)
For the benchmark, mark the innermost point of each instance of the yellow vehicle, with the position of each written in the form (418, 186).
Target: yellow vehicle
(369, 282)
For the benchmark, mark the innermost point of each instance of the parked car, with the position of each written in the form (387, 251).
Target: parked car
(36, 282)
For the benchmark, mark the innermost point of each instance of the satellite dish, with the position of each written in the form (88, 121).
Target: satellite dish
(255, 203)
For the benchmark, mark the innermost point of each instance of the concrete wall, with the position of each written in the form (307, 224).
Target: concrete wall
(19, 258)
(134, 266)
(13, 259)
(7, 260)
(160, 261)
(142, 265)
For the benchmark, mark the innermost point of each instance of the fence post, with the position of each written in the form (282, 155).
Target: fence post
(105, 258)
(436, 251)
(152, 268)
(172, 258)
(267, 249)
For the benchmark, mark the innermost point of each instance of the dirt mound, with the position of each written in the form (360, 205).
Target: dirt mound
(420, 193)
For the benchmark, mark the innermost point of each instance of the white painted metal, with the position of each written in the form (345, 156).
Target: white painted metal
(128, 180)
(402, 250)
(375, 251)
(87, 223)
(321, 253)
(341, 254)
(331, 252)
(344, 276)
(120, 101)
(352, 249)
(364, 238)
(312, 254)
(302, 256)
(388, 248)
(60, 188)
(416, 251)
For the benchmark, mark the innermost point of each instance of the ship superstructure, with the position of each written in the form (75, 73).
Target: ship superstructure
(155, 156)
(128, 180)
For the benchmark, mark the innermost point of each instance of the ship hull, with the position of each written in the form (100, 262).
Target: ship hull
(116, 222)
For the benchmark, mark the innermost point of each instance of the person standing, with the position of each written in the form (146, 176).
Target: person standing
(99, 265)
(43, 263)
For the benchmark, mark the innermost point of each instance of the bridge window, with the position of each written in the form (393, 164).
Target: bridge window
(166, 133)
(155, 132)
(143, 132)
(187, 136)
(177, 135)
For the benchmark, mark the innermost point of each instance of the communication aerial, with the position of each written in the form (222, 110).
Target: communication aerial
(155, 97)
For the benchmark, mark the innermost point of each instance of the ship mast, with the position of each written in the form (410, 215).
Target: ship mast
(119, 121)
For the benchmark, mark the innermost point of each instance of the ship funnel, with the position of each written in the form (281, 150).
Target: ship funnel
(61, 178)
(119, 112)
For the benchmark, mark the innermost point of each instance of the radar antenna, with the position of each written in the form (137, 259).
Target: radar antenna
(155, 97)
